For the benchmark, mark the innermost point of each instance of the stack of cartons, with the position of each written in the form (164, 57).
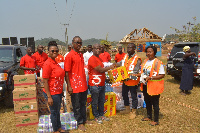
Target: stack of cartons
(24, 98)
(109, 105)
(42, 102)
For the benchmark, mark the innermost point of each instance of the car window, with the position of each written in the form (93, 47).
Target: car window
(176, 49)
(18, 54)
(6, 54)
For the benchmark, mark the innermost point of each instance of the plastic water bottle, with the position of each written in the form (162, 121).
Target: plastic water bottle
(144, 104)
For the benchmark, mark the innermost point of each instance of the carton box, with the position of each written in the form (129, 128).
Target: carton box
(24, 94)
(110, 98)
(26, 108)
(26, 120)
(112, 110)
(40, 82)
(106, 112)
(89, 102)
(118, 74)
(24, 81)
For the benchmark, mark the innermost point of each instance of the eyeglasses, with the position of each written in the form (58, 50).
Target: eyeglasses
(78, 43)
(54, 51)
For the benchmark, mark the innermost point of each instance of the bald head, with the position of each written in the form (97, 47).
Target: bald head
(96, 50)
(40, 49)
(29, 51)
(120, 49)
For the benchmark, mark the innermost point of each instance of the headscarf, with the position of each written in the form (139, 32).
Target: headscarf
(186, 48)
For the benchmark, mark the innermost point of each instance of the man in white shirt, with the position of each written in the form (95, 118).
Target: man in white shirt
(69, 49)
(88, 54)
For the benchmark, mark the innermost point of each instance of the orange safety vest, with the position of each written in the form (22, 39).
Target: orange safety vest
(154, 87)
(130, 65)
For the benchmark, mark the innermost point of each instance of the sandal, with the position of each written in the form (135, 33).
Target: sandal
(146, 119)
(153, 123)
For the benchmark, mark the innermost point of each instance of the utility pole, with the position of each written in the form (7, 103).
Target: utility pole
(66, 35)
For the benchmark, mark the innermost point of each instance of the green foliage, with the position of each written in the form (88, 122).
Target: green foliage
(108, 42)
(190, 32)
(87, 42)
(45, 41)
(91, 41)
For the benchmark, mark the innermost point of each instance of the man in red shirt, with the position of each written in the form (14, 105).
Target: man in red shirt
(28, 62)
(119, 56)
(76, 81)
(96, 83)
(105, 56)
(40, 57)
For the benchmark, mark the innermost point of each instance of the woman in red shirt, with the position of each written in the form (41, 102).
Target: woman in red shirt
(53, 76)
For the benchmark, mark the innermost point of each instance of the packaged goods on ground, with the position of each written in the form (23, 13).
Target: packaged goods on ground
(24, 94)
(24, 81)
(68, 122)
(110, 98)
(108, 111)
(118, 74)
(109, 105)
(26, 108)
(26, 120)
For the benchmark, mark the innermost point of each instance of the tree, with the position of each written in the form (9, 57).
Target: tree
(190, 32)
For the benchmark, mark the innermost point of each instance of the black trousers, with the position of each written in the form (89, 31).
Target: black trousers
(79, 106)
(133, 90)
(151, 100)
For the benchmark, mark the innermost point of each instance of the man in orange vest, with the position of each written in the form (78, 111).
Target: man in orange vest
(132, 63)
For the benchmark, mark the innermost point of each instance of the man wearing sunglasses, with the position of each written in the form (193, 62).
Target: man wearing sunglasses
(76, 82)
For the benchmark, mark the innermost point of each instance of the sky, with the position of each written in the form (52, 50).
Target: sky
(93, 18)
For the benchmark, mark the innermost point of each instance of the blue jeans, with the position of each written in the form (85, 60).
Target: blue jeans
(98, 99)
(133, 90)
(79, 106)
(55, 110)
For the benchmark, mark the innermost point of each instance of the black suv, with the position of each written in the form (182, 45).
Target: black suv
(10, 56)
(175, 59)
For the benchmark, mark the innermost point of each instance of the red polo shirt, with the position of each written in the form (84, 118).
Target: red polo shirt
(55, 74)
(74, 65)
(95, 78)
(29, 62)
(40, 59)
(59, 58)
(119, 57)
(105, 56)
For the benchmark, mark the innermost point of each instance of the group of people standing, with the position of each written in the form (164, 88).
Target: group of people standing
(73, 72)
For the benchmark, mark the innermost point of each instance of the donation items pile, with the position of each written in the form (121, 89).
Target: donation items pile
(109, 105)
(116, 77)
(25, 100)
(31, 107)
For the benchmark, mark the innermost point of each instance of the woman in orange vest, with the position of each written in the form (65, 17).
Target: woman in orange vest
(152, 74)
